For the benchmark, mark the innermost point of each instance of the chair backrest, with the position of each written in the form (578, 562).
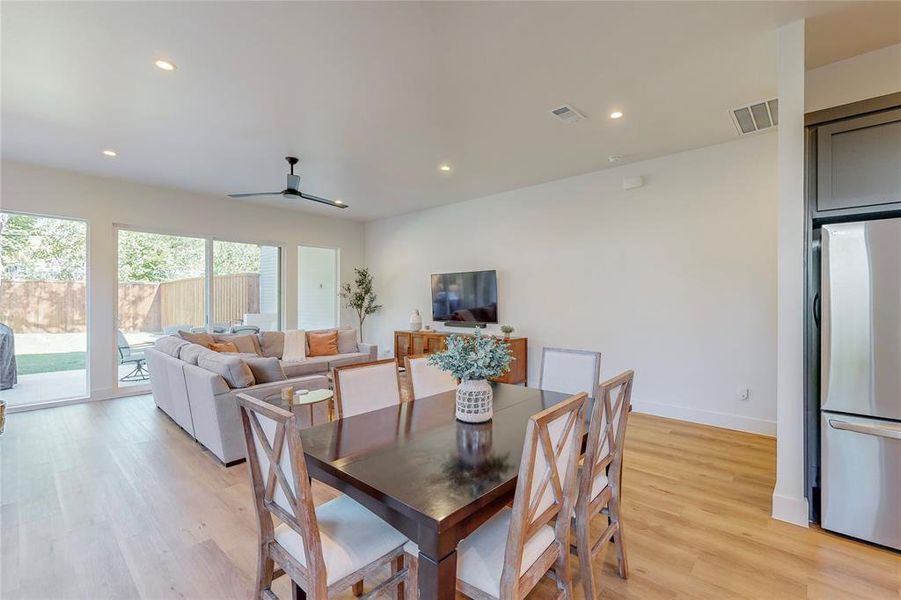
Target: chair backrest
(425, 379)
(122, 344)
(606, 434)
(365, 387)
(281, 485)
(546, 485)
(570, 371)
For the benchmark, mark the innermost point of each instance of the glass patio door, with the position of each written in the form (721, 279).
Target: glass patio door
(43, 309)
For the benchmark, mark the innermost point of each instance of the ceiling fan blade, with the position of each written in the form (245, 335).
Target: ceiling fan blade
(256, 194)
(323, 200)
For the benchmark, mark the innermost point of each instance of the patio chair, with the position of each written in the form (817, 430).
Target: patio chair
(134, 357)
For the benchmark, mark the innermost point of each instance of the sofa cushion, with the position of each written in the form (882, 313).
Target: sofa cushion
(311, 366)
(170, 345)
(223, 347)
(232, 369)
(349, 358)
(323, 344)
(203, 338)
(246, 343)
(347, 341)
(191, 352)
(265, 370)
(272, 343)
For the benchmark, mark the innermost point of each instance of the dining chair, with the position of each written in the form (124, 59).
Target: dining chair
(570, 371)
(600, 478)
(509, 553)
(324, 549)
(365, 387)
(424, 379)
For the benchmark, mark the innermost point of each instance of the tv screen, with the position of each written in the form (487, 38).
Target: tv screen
(469, 297)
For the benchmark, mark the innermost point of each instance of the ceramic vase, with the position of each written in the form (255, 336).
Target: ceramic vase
(415, 321)
(474, 401)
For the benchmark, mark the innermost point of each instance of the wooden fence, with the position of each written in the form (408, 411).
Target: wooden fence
(59, 306)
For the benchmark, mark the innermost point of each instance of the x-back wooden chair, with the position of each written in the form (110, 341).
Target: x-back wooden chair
(600, 478)
(491, 565)
(355, 542)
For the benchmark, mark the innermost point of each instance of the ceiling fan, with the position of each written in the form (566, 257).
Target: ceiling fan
(293, 189)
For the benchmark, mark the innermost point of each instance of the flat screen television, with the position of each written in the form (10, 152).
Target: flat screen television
(469, 297)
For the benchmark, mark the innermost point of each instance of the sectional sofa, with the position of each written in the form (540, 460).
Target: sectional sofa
(196, 386)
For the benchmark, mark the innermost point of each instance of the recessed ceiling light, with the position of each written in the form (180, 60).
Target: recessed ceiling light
(616, 115)
(445, 168)
(109, 152)
(165, 65)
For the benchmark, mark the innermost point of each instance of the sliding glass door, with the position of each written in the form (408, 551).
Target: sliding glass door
(317, 287)
(162, 290)
(43, 309)
(246, 285)
(172, 283)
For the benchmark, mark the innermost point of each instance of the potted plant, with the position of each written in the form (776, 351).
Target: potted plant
(506, 330)
(473, 360)
(361, 297)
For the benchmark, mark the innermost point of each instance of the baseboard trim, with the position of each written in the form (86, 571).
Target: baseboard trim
(707, 417)
(791, 510)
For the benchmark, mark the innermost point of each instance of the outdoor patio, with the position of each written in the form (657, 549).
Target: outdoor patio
(38, 388)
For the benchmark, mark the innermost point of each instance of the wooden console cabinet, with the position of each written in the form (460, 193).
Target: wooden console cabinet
(414, 343)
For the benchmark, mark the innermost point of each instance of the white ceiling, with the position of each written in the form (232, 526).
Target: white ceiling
(374, 96)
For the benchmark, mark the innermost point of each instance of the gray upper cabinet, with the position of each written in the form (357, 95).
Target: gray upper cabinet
(859, 161)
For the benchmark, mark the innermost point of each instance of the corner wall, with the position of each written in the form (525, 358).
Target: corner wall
(675, 279)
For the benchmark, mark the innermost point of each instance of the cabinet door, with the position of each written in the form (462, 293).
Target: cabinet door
(419, 342)
(859, 161)
(435, 344)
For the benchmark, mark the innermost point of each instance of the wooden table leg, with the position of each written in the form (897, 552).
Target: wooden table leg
(438, 581)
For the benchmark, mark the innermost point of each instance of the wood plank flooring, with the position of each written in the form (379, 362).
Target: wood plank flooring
(112, 500)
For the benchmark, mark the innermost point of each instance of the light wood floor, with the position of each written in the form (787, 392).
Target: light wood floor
(112, 500)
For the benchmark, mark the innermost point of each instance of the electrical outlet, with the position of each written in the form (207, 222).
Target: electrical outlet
(742, 393)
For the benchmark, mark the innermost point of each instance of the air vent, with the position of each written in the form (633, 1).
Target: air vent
(567, 114)
(757, 116)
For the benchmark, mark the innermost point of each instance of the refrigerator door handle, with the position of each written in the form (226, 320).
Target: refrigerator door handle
(886, 431)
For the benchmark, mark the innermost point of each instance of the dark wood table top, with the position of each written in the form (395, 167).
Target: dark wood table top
(422, 463)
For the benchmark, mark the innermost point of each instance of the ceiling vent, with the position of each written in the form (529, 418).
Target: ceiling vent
(757, 116)
(568, 114)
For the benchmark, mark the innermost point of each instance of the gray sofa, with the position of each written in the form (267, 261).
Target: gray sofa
(197, 387)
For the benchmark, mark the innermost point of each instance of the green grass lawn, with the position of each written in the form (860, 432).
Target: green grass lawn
(28, 364)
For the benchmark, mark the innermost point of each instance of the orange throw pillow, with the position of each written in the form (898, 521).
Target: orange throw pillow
(323, 344)
(223, 347)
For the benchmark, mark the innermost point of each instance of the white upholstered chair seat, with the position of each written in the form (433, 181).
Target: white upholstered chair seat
(480, 556)
(352, 537)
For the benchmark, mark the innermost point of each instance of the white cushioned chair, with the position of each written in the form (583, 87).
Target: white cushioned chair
(425, 379)
(508, 554)
(325, 549)
(600, 478)
(570, 371)
(366, 387)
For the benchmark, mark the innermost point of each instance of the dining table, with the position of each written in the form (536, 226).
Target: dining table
(433, 478)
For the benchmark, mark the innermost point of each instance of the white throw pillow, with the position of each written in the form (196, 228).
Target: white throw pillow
(295, 346)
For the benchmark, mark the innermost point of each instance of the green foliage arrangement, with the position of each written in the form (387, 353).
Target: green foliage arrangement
(507, 329)
(473, 357)
(361, 297)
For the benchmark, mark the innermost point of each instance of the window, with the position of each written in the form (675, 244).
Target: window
(246, 286)
(317, 288)
(43, 309)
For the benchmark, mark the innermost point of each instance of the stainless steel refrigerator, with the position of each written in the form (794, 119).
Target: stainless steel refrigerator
(860, 387)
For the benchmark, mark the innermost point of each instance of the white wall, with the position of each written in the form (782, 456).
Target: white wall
(104, 202)
(675, 279)
(858, 78)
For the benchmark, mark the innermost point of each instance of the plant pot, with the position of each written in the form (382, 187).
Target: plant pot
(474, 401)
